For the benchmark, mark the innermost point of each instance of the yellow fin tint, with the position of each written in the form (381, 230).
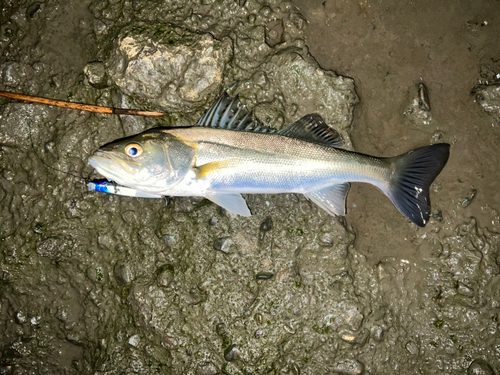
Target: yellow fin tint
(215, 166)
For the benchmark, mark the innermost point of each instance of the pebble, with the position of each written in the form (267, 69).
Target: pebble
(264, 275)
(356, 337)
(295, 369)
(207, 369)
(168, 239)
(468, 200)
(95, 72)
(423, 98)
(123, 274)
(134, 340)
(224, 244)
(266, 225)
(231, 353)
(165, 275)
(412, 348)
(20, 318)
(349, 366)
(480, 367)
(377, 333)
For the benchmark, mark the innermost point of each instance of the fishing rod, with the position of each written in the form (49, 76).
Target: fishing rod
(79, 106)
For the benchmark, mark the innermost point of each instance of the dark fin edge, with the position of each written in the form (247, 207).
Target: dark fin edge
(414, 173)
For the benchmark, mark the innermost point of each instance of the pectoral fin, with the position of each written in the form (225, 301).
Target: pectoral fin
(206, 170)
(232, 202)
(331, 199)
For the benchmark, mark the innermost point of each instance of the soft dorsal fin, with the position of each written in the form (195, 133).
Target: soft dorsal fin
(313, 128)
(230, 113)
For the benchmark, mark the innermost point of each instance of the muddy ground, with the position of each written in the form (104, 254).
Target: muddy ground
(100, 284)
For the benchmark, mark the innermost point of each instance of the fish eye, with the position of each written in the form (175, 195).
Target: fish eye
(133, 150)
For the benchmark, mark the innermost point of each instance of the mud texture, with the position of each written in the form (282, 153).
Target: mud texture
(101, 284)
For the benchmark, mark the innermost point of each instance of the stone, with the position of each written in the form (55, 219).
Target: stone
(170, 68)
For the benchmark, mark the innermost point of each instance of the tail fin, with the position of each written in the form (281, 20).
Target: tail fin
(414, 173)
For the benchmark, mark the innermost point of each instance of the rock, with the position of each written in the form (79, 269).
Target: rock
(419, 111)
(183, 204)
(6, 370)
(224, 244)
(377, 333)
(96, 75)
(134, 340)
(468, 200)
(355, 337)
(168, 239)
(274, 33)
(171, 68)
(480, 367)
(123, 274)
(231, 353)
(297, 77)
(349, 366)
(488, 97)
(412, 348)
(266, 225)
(165, 275)
(55, 248)
(13, 74)
(264, 275)
(207, 369)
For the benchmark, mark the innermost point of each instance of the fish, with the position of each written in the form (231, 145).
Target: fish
(228, 153)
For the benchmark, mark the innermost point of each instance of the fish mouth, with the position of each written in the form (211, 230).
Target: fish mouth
(110, 166)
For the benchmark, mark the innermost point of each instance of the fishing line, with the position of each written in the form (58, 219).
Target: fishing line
(85, 179)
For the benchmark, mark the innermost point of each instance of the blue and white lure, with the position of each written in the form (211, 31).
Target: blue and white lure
(111, 188)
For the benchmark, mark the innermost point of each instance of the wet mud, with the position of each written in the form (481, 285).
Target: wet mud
(101, 284)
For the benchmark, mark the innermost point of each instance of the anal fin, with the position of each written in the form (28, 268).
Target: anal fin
(331, 199)
(233, 202)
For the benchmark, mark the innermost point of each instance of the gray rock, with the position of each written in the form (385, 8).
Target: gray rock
(480, 367)
(96, 75)
(168, 239)
(165, 275)
(264, 275)
(418, 111)
(231, 353)
(412, 348)
(55, 248)
(488, 97)
(207, 369)
(134, 340)
(266, 225)
(349, 366)
(171, 68)
(224, 244)
(123, 274)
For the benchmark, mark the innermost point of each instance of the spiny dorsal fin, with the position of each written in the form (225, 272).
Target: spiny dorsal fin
(230, 113)
(313, 128)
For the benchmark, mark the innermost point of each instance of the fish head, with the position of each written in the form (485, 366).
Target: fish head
(151, 161)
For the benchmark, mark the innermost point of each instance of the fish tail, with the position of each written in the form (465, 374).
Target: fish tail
(413, 174)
